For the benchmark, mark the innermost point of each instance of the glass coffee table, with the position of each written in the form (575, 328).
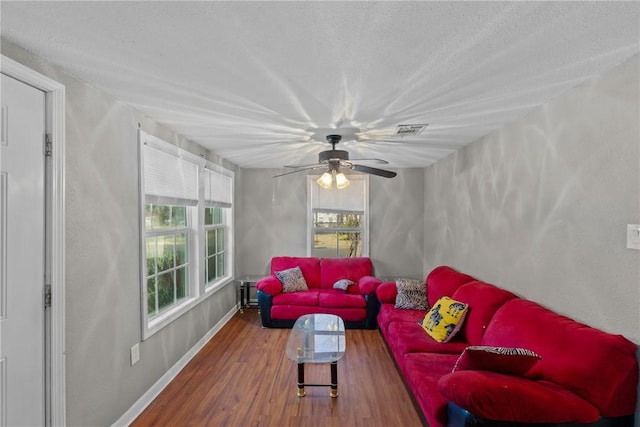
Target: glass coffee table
(317, 338)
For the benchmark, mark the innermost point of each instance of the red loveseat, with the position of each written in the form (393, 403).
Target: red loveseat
(584, 376)
(357, 305)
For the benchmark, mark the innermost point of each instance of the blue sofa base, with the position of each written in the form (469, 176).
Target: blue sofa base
(459, 417)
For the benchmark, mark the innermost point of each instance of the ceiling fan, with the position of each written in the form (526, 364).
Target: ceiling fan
(335, 162)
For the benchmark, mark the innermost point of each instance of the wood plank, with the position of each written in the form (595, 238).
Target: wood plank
(242, 377)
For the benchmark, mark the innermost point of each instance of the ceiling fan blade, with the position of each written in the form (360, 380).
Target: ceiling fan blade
(378, 161)
(301, 166)
(374, 171)
(301, 170)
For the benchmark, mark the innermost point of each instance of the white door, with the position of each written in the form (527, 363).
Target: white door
(22, 255)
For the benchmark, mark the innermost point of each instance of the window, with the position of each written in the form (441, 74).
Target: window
(337, 234)
(214, 231)
(187, 231)
(338, 219)
(167, 256)
(217, 218)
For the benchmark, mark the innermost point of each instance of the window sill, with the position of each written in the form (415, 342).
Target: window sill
(169, 316)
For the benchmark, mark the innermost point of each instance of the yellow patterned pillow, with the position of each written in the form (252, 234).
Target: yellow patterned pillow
(444, 319)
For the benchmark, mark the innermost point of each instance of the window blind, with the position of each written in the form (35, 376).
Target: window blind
(349, 199)
(217, 189)
(169, 180)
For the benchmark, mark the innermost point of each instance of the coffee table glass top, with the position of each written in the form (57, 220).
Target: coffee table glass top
(317, 338)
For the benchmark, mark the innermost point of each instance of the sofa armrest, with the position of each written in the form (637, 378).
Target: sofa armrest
(368, 284)
(387, 292)
(269, 285)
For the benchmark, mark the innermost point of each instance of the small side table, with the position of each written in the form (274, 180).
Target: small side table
(245, 284)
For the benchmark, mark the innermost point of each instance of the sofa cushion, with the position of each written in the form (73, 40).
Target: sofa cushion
(501, 397)
(422, 371)
(405, 337)
(506, 360)
(443, 281)
(412, 294)
(334, 269)
(597, 366)
(292, 280)
(310, 267)
(337, 298)
(388, 314)
(387, 292)
(343, 284)
(292, 312)
(304, 298)
(444, 319)
(484, 300)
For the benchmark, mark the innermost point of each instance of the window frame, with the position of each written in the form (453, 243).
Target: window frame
(227, 223)
(206, 228)
(187, 230)
(198, 288)
(312, 186)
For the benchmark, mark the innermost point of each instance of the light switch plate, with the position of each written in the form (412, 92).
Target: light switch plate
(633, 236)
(135, 354)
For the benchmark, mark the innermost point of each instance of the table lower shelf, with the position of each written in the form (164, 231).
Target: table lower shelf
(244, 289)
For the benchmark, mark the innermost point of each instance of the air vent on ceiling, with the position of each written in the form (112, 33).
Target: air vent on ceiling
(408, 130)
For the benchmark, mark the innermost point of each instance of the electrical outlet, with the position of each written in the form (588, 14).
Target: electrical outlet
(135, 354)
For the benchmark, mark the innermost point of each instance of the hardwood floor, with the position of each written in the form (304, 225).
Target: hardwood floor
(242, 377)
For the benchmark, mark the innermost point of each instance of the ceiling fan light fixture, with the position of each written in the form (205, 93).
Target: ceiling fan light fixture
(341, 181)
(326, 180)
(335, 160)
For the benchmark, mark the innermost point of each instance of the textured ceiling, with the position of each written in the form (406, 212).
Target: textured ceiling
(262, 83)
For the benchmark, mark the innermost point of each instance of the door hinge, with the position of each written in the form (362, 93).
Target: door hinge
(47, 296)
(48, 146)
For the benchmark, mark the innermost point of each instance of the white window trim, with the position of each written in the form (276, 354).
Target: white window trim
(199, 289)
(311, 184)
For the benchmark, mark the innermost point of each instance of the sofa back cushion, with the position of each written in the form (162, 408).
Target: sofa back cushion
(484, 300)
(334, 269)
(597, 366)
(310, 267)
(443, 281)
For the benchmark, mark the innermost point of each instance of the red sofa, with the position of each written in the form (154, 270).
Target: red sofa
(357, 306)
(584, 377)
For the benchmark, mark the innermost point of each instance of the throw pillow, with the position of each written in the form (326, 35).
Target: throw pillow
(444, 319)
(343, 284)
(504, 360)
(292, 280)
(412, 294)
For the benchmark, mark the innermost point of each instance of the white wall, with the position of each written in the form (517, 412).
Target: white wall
(541, 206)
(272, 219)
(271, 216)
(102, 257)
